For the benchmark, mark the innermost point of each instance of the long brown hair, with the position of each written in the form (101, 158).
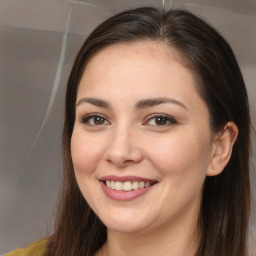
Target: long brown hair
(225, 208)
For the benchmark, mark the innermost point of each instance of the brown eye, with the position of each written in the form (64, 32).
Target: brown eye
(161, 120)
(98, 120)
(95, 120)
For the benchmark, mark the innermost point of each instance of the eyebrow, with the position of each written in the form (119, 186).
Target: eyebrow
(157, 101)
(139, 105)
(94, 101)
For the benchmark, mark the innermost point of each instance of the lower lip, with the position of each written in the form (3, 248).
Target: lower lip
(124, 195)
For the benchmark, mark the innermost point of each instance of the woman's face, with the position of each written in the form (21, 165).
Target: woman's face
(141, 144)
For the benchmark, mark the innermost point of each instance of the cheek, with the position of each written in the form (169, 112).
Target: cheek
(182, 162)
(180, 154)
(86, 152)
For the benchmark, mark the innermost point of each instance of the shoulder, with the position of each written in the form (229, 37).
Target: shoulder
(35, 249)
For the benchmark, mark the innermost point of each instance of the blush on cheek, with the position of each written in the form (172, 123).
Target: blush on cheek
(169, 158)
(176, 157)
(84, 159)
(82, 164)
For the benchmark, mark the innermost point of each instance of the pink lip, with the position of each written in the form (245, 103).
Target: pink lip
(124, 195)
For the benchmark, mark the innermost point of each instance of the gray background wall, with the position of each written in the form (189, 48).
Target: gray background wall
(38, 42)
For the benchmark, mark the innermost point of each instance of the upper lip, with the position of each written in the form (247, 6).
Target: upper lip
(125, 178)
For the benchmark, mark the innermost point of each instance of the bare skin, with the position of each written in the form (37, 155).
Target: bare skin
(139, 115)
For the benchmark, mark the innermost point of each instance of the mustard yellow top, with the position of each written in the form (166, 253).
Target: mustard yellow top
(35, 249)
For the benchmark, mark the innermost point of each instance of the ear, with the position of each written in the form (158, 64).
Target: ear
(222, 149)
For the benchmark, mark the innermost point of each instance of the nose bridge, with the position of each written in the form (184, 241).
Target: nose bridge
(123, 148)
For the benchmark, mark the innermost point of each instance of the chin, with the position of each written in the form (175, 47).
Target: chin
(126, 224)
(126, 228)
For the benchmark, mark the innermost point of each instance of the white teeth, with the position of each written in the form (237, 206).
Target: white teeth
(119, 185)
(142, 184)
(112, 184)
(127, 185)
(135, 185)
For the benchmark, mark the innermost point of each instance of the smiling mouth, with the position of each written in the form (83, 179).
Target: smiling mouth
(128, 185)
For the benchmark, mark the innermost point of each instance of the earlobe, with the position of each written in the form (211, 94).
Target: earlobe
(222, 149)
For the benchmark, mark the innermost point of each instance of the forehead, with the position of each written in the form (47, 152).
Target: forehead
(149, 49)
(142, 63)
(124, 74)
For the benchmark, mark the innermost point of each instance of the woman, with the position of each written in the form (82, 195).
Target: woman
(156, 142)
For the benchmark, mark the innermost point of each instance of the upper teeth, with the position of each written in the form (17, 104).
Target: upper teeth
(127, 185)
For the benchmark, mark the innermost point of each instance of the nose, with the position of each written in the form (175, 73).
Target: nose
(124, 149)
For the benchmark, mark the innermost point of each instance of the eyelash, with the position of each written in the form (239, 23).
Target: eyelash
(167, 120)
